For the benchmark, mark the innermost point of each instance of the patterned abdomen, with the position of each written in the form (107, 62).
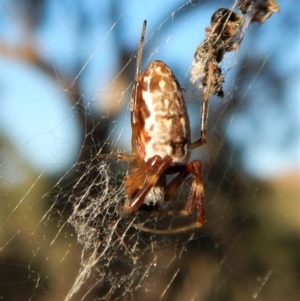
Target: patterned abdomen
(159, 116)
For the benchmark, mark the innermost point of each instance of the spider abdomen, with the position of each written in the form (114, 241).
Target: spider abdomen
(160, 121)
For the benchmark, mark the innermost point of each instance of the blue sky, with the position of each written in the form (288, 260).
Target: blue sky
(41, 122)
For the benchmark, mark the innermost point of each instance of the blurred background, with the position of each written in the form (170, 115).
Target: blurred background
(67, 69)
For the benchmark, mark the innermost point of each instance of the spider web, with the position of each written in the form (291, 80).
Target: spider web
(62, 237)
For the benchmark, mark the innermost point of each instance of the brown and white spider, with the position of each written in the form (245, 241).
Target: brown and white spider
(161, 145)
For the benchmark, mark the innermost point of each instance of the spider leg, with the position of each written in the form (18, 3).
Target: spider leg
(196, 196)
(195, 200)
(155, 167)
(204, 117)
(172, 187)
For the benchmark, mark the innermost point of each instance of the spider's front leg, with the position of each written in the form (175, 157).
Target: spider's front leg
(203, 131)
(194, 202)
(142, 180)
(196, 196)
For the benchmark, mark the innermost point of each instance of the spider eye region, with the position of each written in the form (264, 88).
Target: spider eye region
(163, 126)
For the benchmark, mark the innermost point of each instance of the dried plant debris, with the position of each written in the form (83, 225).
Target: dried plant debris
(225, 32)
(225, 35)
(259, 10)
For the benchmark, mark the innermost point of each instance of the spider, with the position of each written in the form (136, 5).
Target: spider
(161, 146)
